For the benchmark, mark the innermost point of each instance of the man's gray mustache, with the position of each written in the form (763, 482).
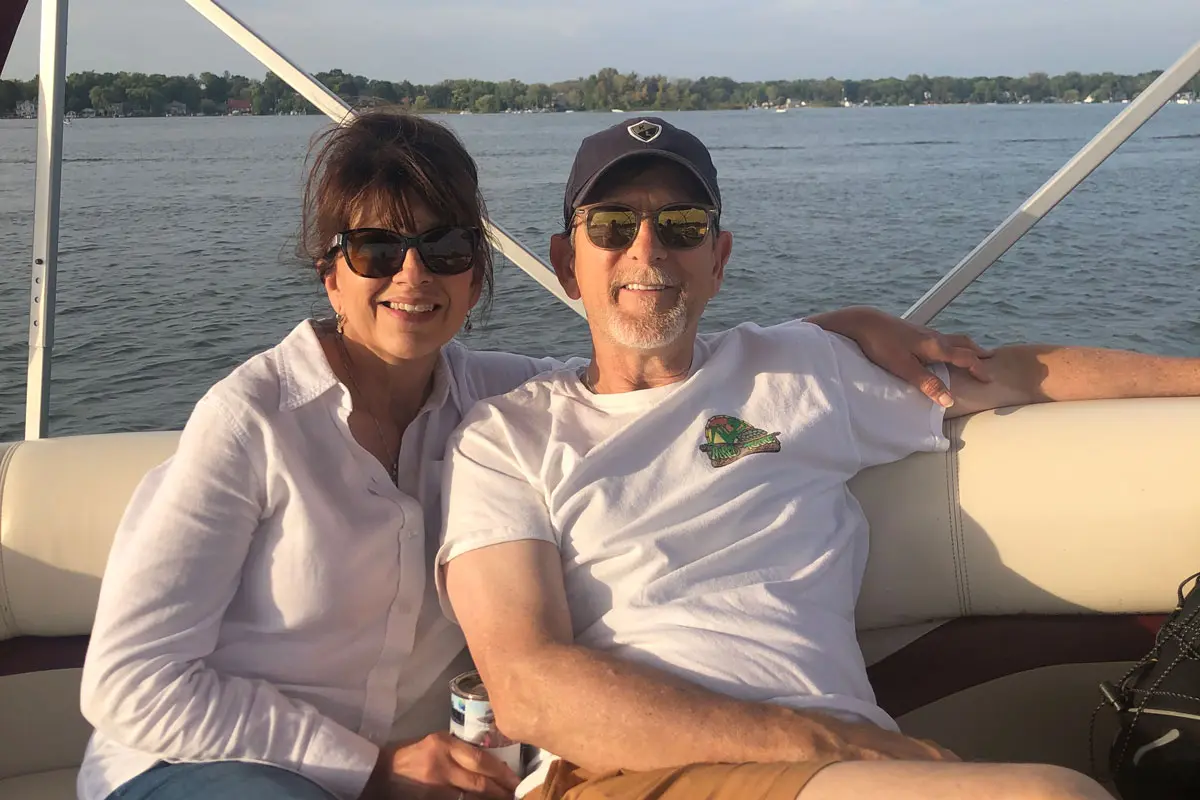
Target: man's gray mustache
(648, 278)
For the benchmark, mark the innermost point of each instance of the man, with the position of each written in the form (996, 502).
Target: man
(660, 565)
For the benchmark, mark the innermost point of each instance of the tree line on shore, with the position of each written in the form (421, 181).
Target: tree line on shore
(139, 94)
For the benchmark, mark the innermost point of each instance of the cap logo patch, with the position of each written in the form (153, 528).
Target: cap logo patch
(645, 131)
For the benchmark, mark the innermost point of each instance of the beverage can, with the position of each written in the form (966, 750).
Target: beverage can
(472, 720)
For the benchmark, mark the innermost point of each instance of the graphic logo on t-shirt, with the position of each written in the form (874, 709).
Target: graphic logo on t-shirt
(726, 439)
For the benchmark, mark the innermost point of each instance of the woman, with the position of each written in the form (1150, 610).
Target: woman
(266, 626)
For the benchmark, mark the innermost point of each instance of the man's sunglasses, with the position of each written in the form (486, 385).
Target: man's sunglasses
(379, 253)
(680, 226)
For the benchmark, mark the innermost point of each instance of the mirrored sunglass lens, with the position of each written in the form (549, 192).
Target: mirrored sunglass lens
(682, 227)
(375, 255)
(451, 250)
(611, 228)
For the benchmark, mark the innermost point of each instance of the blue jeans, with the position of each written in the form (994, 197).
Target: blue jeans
(219, 780)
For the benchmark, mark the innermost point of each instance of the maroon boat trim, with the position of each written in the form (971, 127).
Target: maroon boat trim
(10, 19)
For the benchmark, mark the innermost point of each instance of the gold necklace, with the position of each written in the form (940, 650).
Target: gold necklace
(393, 469)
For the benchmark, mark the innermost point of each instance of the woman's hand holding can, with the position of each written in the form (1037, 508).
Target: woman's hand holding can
(436, 767)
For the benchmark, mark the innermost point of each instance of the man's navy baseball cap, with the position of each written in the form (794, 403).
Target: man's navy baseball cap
(642, 136)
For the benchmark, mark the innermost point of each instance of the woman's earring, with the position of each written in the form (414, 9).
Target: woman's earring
(341, 324)
(467, 325)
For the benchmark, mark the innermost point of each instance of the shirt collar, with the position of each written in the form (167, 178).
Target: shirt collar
(305, 374)
(443, 384)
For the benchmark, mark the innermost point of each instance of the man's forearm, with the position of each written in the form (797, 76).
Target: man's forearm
(605, 713)
(1081, 373)
(1025, 374)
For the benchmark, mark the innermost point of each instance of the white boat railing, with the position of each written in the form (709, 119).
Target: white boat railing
(340, 112)
(52, 81)
(49, 173)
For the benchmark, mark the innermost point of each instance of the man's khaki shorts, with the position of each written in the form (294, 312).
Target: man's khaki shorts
(775, 781)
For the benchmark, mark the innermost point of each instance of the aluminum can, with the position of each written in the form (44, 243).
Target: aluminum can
(472, 720)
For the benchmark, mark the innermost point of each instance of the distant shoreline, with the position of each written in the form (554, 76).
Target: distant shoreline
(629, 112)
(209, 94)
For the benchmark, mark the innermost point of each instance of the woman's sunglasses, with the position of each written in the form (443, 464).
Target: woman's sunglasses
(379, 253)
(680, 226)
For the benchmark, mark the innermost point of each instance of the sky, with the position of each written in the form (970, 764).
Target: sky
(552, 40)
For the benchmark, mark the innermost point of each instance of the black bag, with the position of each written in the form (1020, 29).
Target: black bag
(1156, 753)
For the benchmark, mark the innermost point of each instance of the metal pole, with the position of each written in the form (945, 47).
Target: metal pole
(51, 88)
(337, 109)
(309, 87)
(1054, 190)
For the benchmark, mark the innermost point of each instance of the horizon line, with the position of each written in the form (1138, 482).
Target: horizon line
(331, 70)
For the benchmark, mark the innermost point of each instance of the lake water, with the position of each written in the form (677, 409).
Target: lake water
(177, 237)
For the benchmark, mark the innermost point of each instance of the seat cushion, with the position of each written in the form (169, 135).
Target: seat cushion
(58, 784)
(41, 727)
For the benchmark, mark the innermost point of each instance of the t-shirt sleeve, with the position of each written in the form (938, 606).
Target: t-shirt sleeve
(889, 418)
(488, 495)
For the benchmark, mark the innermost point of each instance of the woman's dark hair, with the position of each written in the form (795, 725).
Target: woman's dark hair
(379, 163)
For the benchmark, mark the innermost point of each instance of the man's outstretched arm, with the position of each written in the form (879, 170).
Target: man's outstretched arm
(1025, 374)
(603, 713)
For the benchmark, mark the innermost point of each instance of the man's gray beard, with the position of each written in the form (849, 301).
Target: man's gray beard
(651, 332)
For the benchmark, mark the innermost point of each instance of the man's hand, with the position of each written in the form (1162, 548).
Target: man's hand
(439, 767)
(866, 742)
(906, 349)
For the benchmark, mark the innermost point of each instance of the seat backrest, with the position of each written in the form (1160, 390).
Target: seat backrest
(1062, 508)
(60, 502)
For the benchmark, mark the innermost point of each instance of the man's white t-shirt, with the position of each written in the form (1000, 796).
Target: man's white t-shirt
(705, 527)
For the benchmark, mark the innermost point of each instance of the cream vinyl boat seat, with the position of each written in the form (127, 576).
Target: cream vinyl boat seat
(1006, 578)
